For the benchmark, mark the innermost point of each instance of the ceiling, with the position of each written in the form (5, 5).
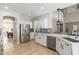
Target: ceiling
(33, 8)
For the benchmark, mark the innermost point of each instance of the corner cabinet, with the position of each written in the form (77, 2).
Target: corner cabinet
(63, 47)
(41, 39)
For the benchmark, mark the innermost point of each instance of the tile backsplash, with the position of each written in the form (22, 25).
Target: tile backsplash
(46, 30)
(31, 29)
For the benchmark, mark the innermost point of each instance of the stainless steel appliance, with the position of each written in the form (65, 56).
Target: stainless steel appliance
(24, 33)
(51, 42)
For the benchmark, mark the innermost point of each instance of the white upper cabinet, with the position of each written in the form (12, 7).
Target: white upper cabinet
(42, 21)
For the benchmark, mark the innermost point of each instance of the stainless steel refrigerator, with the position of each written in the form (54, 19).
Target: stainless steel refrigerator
(24, 33)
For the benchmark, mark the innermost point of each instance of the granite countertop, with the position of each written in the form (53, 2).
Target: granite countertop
(69, 38)
(73, 34)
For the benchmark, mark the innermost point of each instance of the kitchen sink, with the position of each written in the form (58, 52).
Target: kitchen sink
(71, 39)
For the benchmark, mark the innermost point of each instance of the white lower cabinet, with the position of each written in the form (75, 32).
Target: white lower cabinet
(67, 48)
(59, 46)
(44, 40)
(37, 38)
(63, 47)
(31, 35)
(41, 39)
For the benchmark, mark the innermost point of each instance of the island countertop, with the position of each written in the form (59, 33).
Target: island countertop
(62, 36)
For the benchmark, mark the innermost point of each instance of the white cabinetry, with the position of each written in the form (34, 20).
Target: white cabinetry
(63, 47)
(31, 35)
(58, 45)
(44, 39)
(41, 39)
(67, 48)
(37, 38)
(42, 21)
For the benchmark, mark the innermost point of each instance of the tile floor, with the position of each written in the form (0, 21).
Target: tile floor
(29, 48)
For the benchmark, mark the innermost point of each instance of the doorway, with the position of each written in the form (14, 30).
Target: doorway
(9, 32)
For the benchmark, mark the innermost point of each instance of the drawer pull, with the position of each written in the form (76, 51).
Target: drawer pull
(66, 44)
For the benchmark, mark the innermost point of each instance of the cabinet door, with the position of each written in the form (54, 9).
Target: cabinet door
(36, 38)
(44, 40)
(58, 41)
(41, 39)
(67, 48)
(62, 47)
(31, 35)
(59, 46)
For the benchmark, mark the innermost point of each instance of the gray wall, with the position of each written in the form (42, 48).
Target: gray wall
(71, 17)
(71, 14)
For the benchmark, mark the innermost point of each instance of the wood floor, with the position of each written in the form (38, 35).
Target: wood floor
(29, 48)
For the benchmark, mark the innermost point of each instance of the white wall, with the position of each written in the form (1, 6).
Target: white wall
(19, 19)
(50, 20)
(10, 13)
(72, 17)
(25, 20)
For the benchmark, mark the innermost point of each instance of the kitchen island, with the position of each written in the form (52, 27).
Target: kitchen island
(65, 44)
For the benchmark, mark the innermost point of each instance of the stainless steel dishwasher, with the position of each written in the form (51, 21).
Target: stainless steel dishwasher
(51, 42)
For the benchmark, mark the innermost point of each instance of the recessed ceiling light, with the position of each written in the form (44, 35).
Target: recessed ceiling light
(42, 7)
(6, 7)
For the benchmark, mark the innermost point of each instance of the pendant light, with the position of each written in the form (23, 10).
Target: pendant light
(58, 22)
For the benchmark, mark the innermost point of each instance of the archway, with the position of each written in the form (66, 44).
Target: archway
(9, 32)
